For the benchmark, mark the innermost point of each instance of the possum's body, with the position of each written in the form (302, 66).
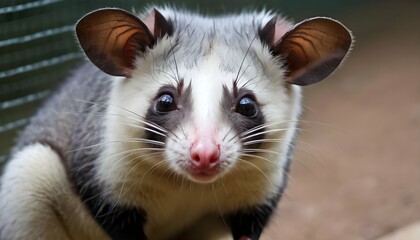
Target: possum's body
(38, 199)
(190, 139)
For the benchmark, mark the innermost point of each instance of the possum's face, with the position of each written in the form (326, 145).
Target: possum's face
(222, 115)
(212, 118)
(204, 99)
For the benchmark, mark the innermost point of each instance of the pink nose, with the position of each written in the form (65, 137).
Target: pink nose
(205, 153)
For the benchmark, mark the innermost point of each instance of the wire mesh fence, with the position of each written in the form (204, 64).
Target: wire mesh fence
(37, 49)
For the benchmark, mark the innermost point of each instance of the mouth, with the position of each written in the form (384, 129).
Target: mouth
(204, 176)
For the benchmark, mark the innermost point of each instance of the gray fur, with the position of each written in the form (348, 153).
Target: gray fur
(196, 35)
(77, 106)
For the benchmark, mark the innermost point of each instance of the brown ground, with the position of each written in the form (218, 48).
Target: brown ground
(357, 175)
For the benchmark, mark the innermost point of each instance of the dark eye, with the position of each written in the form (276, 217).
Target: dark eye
(247, 107)
(165, 103)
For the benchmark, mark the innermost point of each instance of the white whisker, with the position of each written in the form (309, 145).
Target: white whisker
(263, 132)
(262, 150)
(259, 169)
(266, 140)
(218, 207)
(132, 169)
(259, 127)
(270, 161)
(144, 175)
(129, 140)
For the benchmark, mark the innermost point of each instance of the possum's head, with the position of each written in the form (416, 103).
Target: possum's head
(206, 97)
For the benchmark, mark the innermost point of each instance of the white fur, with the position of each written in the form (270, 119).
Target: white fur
(37, 202)
(157, 183)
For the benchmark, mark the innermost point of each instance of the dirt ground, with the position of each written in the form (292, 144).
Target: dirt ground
(356, 173)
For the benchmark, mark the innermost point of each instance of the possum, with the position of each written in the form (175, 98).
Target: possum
(178, 126)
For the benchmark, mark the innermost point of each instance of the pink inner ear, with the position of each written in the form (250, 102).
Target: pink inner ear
(150, 22)
(281, 29)
(129, 51)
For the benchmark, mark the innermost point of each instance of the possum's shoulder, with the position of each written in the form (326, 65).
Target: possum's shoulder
(86, 81)
(67, 106)
(85, 85)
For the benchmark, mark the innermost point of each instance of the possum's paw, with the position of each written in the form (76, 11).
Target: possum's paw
(37, 201)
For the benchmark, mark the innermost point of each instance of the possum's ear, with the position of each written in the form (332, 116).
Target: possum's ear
(112, 38)
(312, 49)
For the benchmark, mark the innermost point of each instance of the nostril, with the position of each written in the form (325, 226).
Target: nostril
(214, 157)
(195, 156)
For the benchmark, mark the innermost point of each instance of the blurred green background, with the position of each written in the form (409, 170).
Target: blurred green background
(38, 47)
